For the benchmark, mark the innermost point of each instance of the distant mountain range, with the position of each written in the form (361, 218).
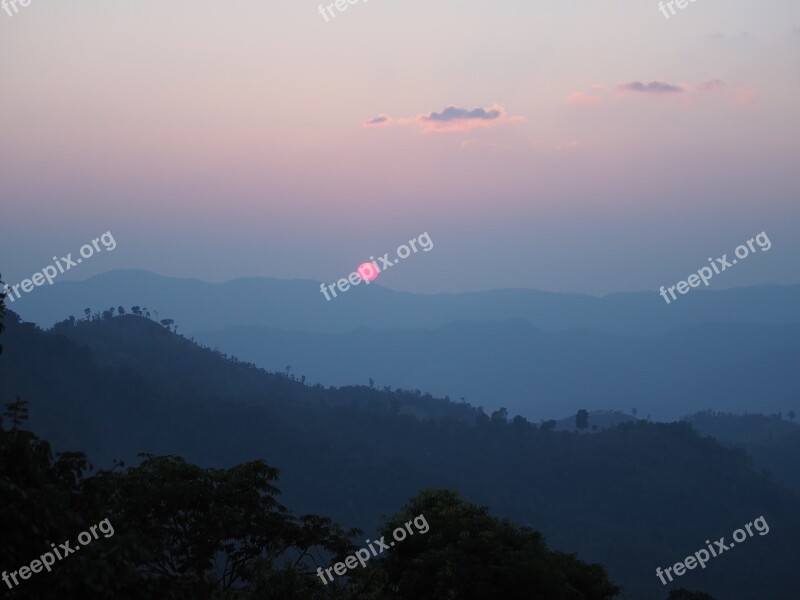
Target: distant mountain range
(298, 305)
(538, 354)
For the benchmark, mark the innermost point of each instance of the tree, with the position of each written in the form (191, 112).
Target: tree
(210, 531)
(167, 323)
(87, 312)
(500, 416)
(791, 415)
(458, 550)
(634, 411)
(136, 310)
(582, 419)
(121, 310)
(548, 425)
(181, 531)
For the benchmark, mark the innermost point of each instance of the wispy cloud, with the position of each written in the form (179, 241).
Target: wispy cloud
(741, 94)
(654, 87)
(711, 85)
(452, 119)
(379, 121)
(585, 100)
(736, 93)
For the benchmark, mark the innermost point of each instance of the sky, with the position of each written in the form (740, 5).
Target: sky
(564, 145)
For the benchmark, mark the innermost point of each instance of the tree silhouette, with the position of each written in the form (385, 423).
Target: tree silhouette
(582, 419)
(500, 416)
(548, 425)
(191, 518)
(458, 550)
(16, 412)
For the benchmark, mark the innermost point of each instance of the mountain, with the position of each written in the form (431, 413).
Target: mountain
(298, 305)
(545, 374)
(773, 443)
(541, 355)
(633, 498)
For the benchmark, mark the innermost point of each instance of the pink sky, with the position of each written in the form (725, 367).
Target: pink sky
(585, 147)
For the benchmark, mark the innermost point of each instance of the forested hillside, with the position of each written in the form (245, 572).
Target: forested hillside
(631, 498)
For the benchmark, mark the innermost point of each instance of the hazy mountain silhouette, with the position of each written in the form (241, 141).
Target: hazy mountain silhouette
(299, 305)
(773, 442)
(539, 354)
(545, 374)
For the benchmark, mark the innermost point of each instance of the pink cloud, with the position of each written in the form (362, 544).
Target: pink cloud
(711, 85)
(452, 119)
(739, 93)
(584, 100)
(744, 95)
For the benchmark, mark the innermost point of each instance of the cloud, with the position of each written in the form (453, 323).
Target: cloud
(451, 113)
(452, 119)
(585, 100)
(654, 87)
(379, 121)
(687, 95)
(744, 95)
(739, 93)
(711, 85)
